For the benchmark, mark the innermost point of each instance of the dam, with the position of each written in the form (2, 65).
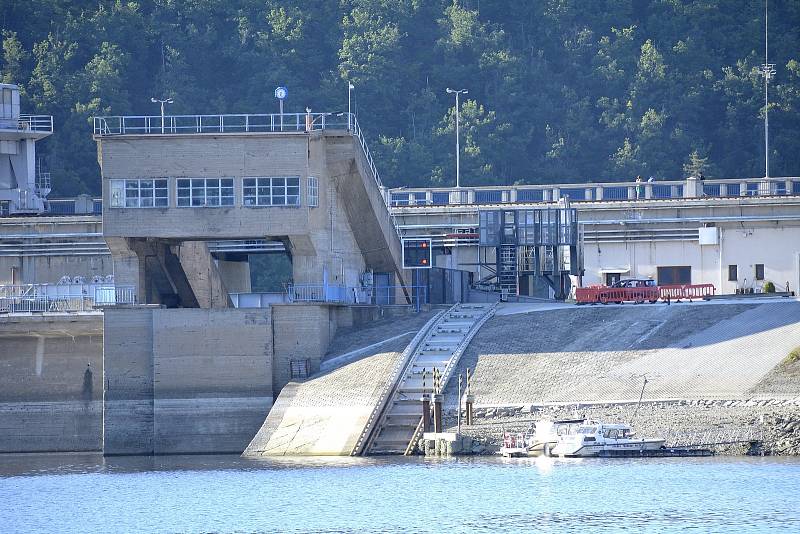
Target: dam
(157, 342)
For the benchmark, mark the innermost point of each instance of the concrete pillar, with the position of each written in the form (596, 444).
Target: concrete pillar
(429, 197)
(556, 194)
(673, 191)
(235, 275)
(692, 188)
(742, 189)
(598, 192)
(723, 190)
(471, 196)
(588, 193)
(505, 196)
(512, 195)
(648, 190)
(546, 195)
(788, 187)
(437, 413)
(203, 275)
(631, 193)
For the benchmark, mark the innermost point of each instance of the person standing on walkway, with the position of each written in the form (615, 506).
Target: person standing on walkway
(639, 187)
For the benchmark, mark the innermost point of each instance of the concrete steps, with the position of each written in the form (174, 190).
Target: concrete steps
(440, 349)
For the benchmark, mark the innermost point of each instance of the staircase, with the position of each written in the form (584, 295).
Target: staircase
(508, 273)
(442, 346)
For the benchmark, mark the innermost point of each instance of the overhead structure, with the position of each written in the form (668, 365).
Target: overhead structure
(23, 191)
(541, 243)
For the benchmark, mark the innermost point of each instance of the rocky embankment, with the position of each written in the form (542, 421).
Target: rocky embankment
(728, 427)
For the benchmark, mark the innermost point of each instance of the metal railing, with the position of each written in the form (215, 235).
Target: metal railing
(210, 124)
(35, 123)
(341, 294)
(398, 371)
(594, 192)
(70, 298)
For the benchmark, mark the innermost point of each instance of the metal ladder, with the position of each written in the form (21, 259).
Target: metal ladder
(440, 349)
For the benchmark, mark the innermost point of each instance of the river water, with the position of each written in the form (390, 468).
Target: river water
(220, 494)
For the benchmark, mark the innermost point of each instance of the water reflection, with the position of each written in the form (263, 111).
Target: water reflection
(92, 494)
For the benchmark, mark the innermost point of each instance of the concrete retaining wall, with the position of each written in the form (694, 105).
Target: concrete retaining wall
(185, 380)
(51, 386)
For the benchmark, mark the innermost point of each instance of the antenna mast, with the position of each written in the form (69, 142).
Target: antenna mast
(768, 69)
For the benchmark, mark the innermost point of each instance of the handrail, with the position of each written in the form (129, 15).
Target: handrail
(399, 369)
(35, 123)
(451, 366)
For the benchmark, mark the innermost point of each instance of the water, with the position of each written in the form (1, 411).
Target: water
(90, 494)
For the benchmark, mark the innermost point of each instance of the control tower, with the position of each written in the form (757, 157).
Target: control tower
(22, 191)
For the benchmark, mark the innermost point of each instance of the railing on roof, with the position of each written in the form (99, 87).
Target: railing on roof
(35, 123)
(215, 124)
(592, 192)
(67, 298)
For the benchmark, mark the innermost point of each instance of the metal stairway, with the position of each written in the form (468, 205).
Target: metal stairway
(508, 270)
(400, 422)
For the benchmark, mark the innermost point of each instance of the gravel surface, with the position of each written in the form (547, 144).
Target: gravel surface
(726, 427)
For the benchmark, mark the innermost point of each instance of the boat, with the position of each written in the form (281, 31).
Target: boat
(540, 438)
(598, 439)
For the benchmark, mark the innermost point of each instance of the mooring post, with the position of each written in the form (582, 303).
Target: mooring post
(458, 412)
(437, 401)
(426, 405)
(470, 398)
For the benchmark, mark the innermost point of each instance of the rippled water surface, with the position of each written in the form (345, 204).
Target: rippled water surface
(89, 494)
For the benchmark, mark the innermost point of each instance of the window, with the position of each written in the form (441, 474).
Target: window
(759, 271)
(733, 275)
(150, 193)
(313, 191)
(674, 275)
(193, 192)
(278, 191)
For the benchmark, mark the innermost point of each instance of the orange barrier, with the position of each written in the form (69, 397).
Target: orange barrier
(604, 295)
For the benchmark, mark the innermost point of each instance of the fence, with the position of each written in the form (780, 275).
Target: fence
(372, 295)
(68, 298)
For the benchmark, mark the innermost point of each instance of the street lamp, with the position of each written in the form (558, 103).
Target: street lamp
(162, 102)
(768, 70)
(350, 88)
(458, 149)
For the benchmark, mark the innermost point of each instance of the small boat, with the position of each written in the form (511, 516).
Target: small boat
(598, 439)
(540, 438)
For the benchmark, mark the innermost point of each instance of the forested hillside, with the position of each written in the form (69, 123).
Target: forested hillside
(559, 90)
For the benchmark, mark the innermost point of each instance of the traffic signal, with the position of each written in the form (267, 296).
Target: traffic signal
(417, 254)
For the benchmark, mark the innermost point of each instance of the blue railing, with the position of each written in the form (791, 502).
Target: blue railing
(350, 295)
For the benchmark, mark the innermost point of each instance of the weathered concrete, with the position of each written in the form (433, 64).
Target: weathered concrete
(326, 414)
(185, 381)
(51, 370)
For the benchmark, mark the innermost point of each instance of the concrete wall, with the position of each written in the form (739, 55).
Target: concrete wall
(48, 401)
(185, 380)
(301, 332)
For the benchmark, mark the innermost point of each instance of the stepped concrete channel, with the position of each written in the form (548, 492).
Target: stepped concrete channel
(361, 406)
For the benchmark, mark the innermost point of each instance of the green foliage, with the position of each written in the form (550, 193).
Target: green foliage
(769, 287)
(793, 357)
(559, 90)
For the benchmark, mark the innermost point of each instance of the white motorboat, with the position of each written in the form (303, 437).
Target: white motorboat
(598, 439)
(545, 434)
(539, 439)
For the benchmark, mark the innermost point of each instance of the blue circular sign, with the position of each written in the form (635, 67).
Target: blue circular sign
(281, 92)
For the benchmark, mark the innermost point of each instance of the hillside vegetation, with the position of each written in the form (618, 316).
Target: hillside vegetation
(559, 90)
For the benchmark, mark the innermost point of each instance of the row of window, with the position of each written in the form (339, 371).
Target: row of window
(733, 272)
(212, 192)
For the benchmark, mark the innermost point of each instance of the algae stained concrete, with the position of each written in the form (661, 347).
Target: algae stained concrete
(185, 380)
(326, 414)
(51, 369)
(602, 354)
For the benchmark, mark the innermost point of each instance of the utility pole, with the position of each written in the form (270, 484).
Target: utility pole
(768, 70)
(350, 88)
(458, 148)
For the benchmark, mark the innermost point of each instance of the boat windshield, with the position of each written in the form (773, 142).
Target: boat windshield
(587, 430)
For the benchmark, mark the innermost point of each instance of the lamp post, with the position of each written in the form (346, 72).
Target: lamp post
(768, 70)
(458, 148)
(162, 102)
(350, 88)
